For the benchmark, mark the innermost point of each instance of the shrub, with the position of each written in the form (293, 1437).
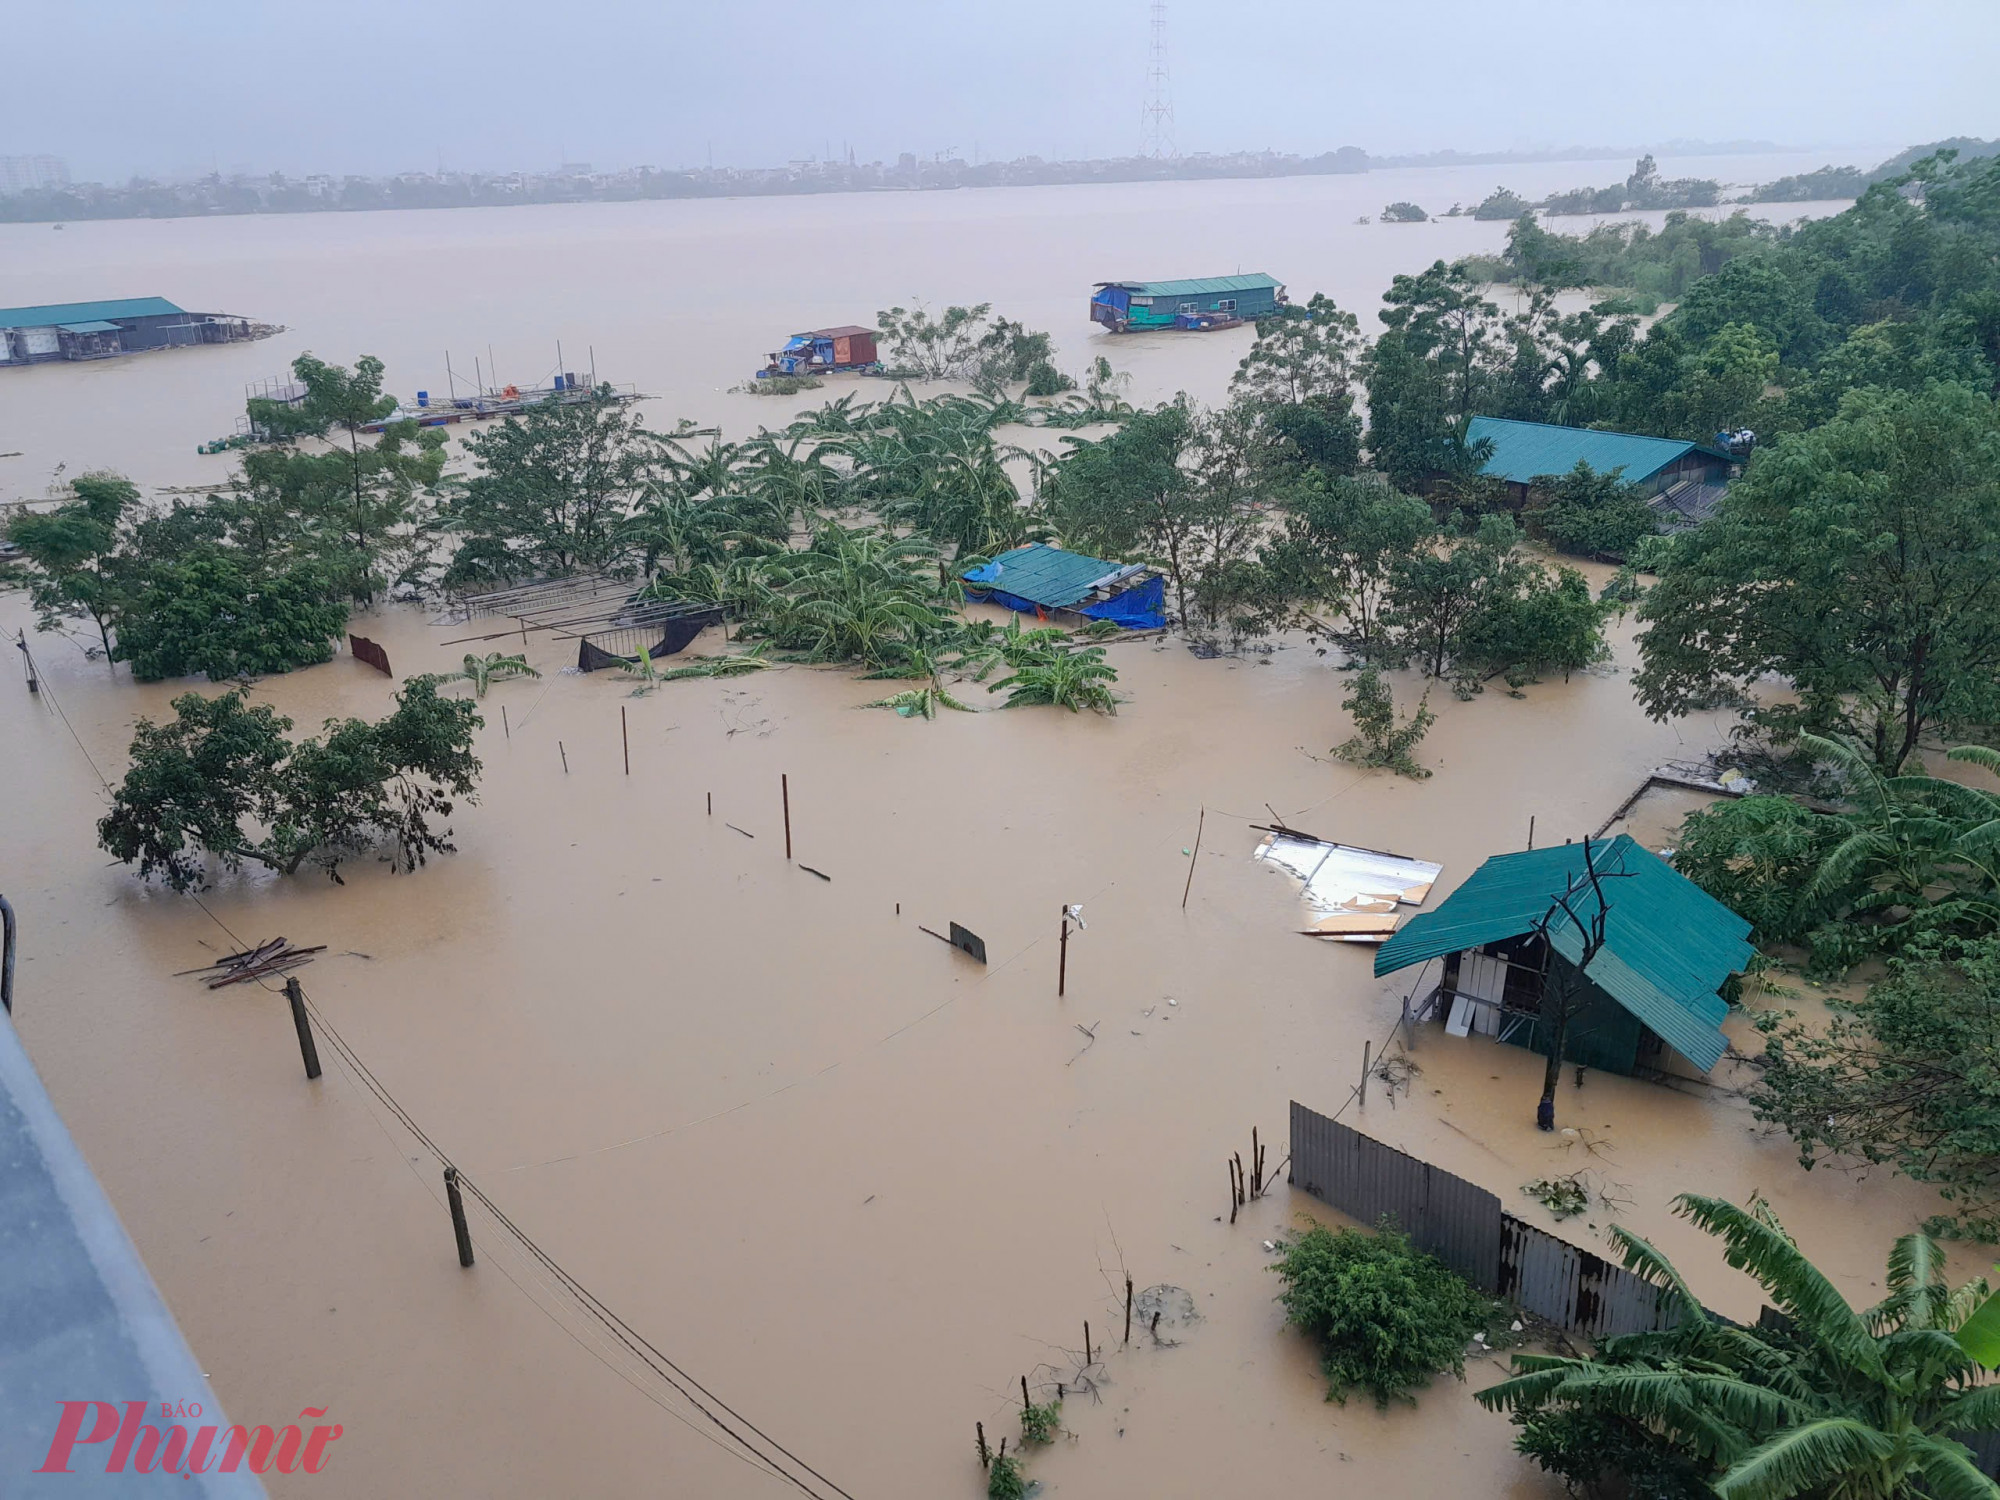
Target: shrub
(1387, 1317)
(783, 385)
(1041, 1424)
(1004, 1480)
(1402, 212)
(1379, 740)
(1044, 379)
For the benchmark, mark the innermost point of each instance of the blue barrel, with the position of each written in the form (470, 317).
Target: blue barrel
(423, 398)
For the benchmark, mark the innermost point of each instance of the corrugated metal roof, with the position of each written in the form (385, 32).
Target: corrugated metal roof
(1044, 575)
(58, 313)
(1668, 946)
(1200, 286)
(1525, 450)
(89, 327)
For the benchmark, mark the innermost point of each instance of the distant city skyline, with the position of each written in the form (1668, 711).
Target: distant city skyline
(376, 88)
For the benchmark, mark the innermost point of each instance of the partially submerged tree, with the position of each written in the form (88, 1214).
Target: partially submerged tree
(554, 485)
(947, 347)
(1908, 1075)
(1860, 563)
(222, 780)
(73, 550)
(1378, 739)
(1583, 908)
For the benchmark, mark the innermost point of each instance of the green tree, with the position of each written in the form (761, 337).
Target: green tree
(947, 347)
(223, 781)
(553, 486)
(212, 611)
(1859, 562)
(1588, 514)
(1300, 355)
(1378, 739)
(1908, 1075)
(1537, 625)
(379, 510)
(1330, 565)
(1435, 591)
(1430, 369)
(1168, 487)
(73, 550)
(1861, 1404)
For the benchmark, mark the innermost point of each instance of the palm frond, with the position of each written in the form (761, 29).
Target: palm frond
(1795, 1284)
(1949, 1473)
(1799, 1460)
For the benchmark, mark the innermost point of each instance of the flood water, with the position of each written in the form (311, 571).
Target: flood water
(856, 1183)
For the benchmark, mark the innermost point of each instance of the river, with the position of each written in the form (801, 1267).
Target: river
(854, 1182)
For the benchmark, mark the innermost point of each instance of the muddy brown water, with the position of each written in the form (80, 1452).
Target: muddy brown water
(854, 1182)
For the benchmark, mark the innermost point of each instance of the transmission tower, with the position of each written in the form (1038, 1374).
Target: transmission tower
(1157, 118)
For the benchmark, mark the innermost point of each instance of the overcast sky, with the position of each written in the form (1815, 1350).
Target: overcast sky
(175, 86)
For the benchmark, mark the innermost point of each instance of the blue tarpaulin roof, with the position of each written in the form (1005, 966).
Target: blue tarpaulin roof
(1523, 451)
(1668, 944)
(57, 313)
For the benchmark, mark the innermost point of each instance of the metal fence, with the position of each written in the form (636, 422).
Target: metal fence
(366, 650)
(1463, 1225)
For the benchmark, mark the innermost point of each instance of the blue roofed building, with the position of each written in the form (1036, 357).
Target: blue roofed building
(1199, 303)
(1655, 985)
(1043, 581)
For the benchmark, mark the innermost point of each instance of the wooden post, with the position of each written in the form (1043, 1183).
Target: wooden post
(1408, 1036)
(505, 728)
(985, 1453)
(1256, 1165)
(625, 739)
(785, 791)
(34, 686)
(1366, 1047)
(565, 755)
(1200, 824)
(1062, 955)
(1025, 1402)
(1531, 830)
(1128, 1309)
(1087, 1360)
(307, 1048)
(1231, 1164)
(711, 804)
(458, 1225)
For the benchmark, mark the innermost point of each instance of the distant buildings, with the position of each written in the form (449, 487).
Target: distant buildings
(20, 174)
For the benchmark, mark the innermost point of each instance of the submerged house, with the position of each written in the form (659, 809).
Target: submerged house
(1045, 580)
(1205, 302)
(100, 330)
(1679, 479)
(1654, 1005)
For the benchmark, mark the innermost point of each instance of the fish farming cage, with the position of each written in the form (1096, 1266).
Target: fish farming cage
(656, 627)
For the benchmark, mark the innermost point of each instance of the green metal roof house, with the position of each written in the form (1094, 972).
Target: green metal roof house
(1202, 303)
(99, 330)
(1669, 948)
(1526, 451)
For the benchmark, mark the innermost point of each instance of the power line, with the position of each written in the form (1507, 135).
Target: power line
(717, 1411)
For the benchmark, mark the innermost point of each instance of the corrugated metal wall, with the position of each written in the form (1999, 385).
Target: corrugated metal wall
(1464, 1226)
(1577, 1291)
(1453, 1219)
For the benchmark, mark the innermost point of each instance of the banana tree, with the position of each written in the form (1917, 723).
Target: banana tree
(483, 671)
(1858, 1404)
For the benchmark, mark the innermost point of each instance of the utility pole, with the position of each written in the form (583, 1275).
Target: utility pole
(1157, 116)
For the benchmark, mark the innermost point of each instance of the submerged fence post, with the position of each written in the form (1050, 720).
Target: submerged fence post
(1062, 955)
(625, 739)
(1128, 1309)
(28, 660)
(308, 1049)
(458, 1224)
(1198, 827)
(785, 792)
(1366, 1048)
(565, 755)
(505, 728)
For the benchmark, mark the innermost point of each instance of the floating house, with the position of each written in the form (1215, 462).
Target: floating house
(1654, 1007)
(1678, 478)
(1204, 303)
(824, 351)
(100, 330)
(1046, 580)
